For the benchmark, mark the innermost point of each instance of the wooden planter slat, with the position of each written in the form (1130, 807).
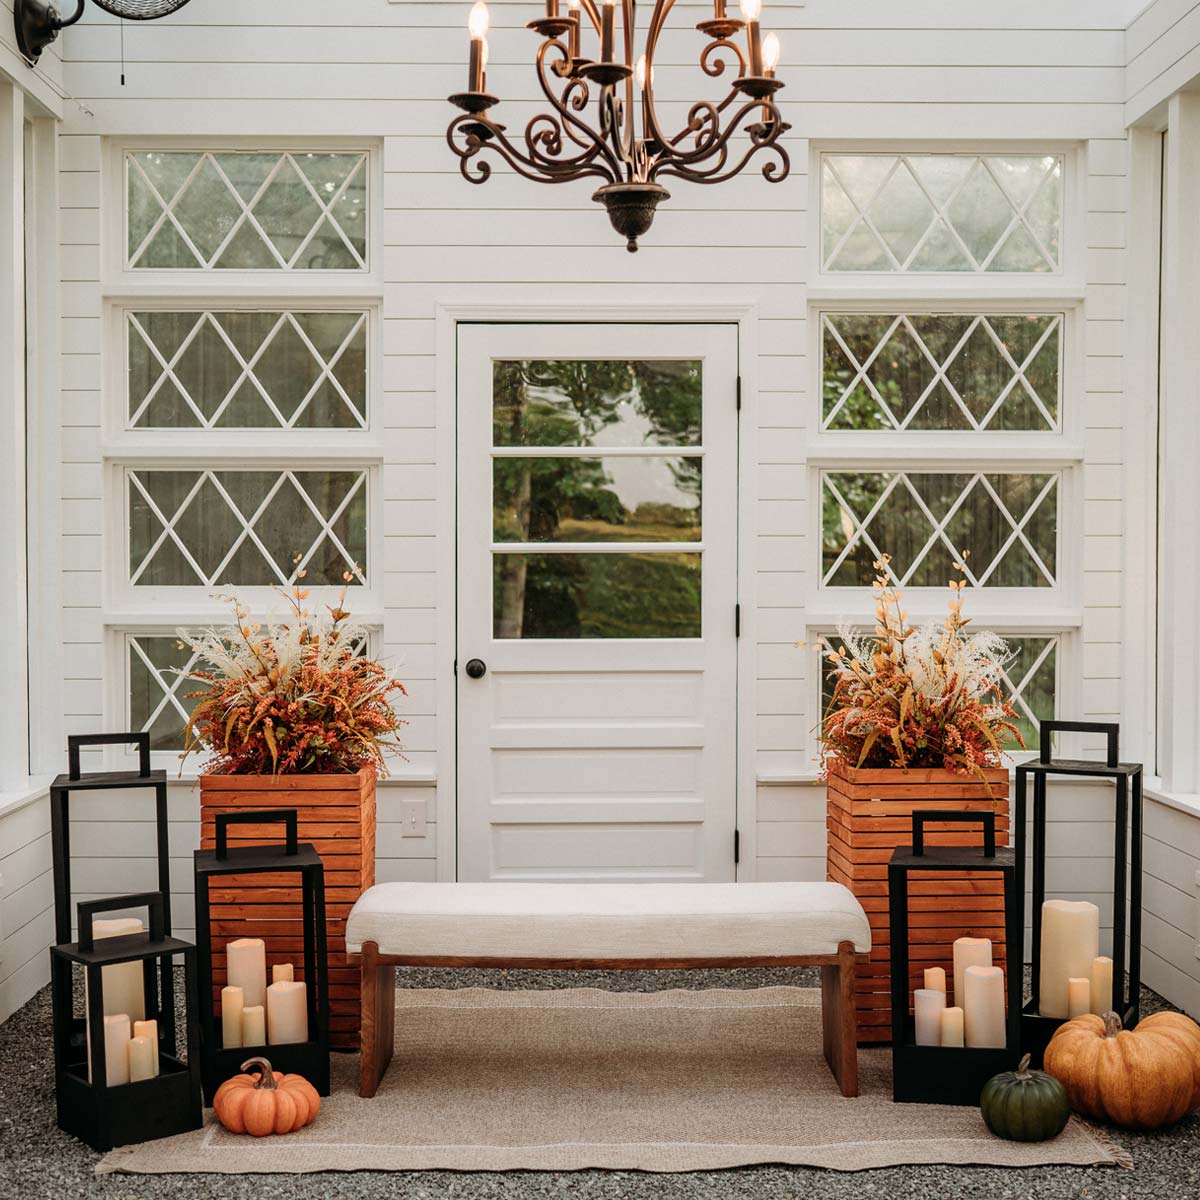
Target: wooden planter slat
(868, 816)
(336, 815)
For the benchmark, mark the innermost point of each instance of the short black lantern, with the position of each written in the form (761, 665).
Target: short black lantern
(1037, 1030)
(167, 1103)
(949, 1074)
(310, 1058)
(76, 781)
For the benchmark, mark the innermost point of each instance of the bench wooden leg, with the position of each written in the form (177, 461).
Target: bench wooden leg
(378, 1019)
(838, 1019)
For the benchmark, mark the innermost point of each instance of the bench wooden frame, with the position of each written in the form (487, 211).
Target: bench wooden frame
(379, 997)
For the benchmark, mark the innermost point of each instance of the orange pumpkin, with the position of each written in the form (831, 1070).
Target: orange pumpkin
(266, 1103)
(1143, 1078)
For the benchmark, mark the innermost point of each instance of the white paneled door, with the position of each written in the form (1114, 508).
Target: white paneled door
(597, 585)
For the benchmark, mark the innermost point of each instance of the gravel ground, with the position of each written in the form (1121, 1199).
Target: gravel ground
(37, 1160)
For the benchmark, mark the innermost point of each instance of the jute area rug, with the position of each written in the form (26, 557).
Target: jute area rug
(566, 1080)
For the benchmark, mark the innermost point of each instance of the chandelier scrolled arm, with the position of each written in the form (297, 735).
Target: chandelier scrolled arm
(603, 121)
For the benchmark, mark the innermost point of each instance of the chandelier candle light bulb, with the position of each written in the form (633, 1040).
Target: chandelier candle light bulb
(608, 21)
(477, 26)
(751, 11)
(573, 36)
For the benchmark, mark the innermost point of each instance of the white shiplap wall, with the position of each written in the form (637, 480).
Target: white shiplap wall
(1162, 52)
(26, 902)
(1033, 71)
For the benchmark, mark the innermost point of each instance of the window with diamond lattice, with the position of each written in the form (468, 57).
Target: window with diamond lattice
(926, 521)
(916, 371)
(1030, 678)
(247, 370)
(246, 211)
(246, 528)
(941, 212)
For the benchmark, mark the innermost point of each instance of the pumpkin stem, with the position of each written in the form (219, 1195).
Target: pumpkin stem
(1112, 1024)
(1023, 1068)
(266, 1077)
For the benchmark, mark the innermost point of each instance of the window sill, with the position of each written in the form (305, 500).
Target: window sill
(1184, 802)
(29, 792)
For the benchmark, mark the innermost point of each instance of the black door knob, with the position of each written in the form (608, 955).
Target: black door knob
(477, 668)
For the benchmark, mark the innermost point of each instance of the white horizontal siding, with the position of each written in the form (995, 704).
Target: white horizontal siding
(1162, 51)
(26, 903)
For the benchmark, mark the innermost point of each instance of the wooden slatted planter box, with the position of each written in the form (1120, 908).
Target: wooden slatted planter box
(869, 814)
(336, 814)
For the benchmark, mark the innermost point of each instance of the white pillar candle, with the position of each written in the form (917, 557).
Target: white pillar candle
(233, 1002)
(983, 1012)
(1079, 997)
(254, 1025)
(952, 1027)
(969, 952)
(283, 973)
(116, 1049)
(928, 1006)
(143, 1059)
(124, 991)
(1069, 945)
(148, 1030)
(287, 1013)
(247, 969)
(935, 978)
(1102, 985)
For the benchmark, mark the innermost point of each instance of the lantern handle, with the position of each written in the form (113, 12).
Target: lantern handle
(986, 819)
(1111, 734)
(77, 740)
(288, 817)
(89, 908)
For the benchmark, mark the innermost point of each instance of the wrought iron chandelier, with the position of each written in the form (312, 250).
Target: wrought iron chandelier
(621, 140)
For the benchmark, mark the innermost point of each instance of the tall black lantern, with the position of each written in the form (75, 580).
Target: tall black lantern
(1036, 1030)
(310, 1058)
(166, 1104)
(950, 1074)
(76, 781)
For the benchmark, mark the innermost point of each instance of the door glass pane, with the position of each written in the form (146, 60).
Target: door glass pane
(596, 595)
(642, 499)
(597, 402)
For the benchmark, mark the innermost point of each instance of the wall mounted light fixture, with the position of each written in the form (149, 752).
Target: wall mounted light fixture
(38, 22)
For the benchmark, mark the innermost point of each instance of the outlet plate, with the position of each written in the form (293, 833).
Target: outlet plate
(412, 818)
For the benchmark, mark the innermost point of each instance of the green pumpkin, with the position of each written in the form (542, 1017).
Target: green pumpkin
(1025, 1105)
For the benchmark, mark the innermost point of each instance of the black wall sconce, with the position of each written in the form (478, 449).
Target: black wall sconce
(38, 22)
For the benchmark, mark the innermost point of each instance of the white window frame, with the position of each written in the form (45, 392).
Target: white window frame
(1054, 610)
(160, 611)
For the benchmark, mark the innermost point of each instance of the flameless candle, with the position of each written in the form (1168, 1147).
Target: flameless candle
(928, 1006)
(1069, 945)
(935, 978)
(148, 1030)
(1079, 997)
(233, 1003)
(1102, 985)
(969, 952)
(751, 11)
(287, 1014)
(247, 969)
(952, 1027)
(254, 1025)
(983, 1012)
(143, 1059)
(124, 991)
(116, 1049)
(608, 20)
(477, 26)
(283, 973)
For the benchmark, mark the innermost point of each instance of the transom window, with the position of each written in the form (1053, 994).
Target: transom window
(941, 212)
(241, 210)
(247, 370)
(941, 371)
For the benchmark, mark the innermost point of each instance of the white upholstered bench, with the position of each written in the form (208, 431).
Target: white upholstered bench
(635, 926)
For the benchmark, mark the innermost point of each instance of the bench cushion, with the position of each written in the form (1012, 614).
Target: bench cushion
(601, 920)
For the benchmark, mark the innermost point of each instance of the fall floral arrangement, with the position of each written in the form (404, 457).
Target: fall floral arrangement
(918, 696)
(290, 697)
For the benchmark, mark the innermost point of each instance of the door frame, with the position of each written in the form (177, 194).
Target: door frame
(643, 310)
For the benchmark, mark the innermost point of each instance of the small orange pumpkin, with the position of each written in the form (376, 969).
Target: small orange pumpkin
(266, 1103)
(1143, 1078)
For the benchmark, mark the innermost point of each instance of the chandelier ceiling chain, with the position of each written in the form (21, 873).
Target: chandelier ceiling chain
(620, 139)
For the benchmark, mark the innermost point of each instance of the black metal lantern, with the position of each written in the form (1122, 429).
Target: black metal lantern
(61, 790)
(106, 1116)
(950, 1074)
(1037, 1030)
(38, 22)
(310, 1058)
